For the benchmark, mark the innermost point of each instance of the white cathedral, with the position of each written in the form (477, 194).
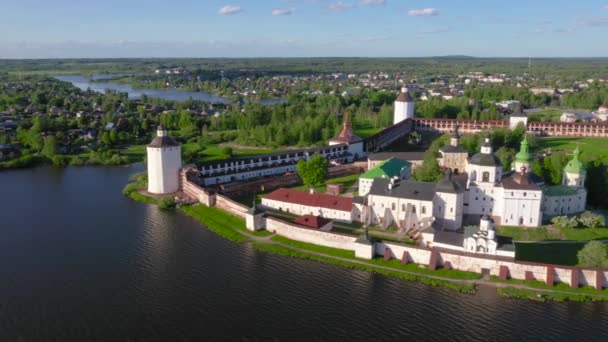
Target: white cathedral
(479, 189)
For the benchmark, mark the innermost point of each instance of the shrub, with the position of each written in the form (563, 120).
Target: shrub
(562, 222)
(591, 220)
(129, 188)
(166, 202)
(594, 254)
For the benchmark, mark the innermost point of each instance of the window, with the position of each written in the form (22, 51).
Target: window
(512, 193)
(452, 209)
(474, 176)
(483, 210)
(423, 210)
(525, 194)
(392, 206)
(485, 177)
(476, 198)
(403, 207)
(413, 209)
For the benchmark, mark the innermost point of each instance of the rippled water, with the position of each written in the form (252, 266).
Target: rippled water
(135, 93)
(80, 262)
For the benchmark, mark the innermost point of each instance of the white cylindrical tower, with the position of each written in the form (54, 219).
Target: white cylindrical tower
(404, 106)
(164, 162)
(574, 172)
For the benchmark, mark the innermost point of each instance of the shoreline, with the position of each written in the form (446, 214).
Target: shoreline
(232, 228)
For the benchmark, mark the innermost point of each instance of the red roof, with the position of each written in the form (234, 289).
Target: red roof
(312, 221)
(313, 200)
(346, 136)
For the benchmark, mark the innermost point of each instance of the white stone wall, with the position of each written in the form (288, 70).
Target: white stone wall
(522, 208)
(448, 208)
(476, 173)
(573, 179)
(484, 199)
(401, 110)
(515, 120)
(365, 185)
(238, 176)
(564, 205)
(164, 164)
(417, 255)
(294, 232)
(399, 210)
(300, 210)
(457, 162)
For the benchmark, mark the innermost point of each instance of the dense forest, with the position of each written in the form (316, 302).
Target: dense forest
(546, 68)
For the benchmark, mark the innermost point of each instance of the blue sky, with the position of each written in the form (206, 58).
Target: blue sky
(292, 28)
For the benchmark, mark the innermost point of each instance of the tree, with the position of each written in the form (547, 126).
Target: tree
(105, 138)
(314, 171)
(50, 146)
(429, 171)
(113, 137)
(594, 254)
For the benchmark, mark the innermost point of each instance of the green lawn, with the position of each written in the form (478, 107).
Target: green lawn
(544, 234)
(560, 253)
(346, 181)
(591, 148)
(526, 234)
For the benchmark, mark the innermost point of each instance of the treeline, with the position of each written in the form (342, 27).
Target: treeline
(542, 68)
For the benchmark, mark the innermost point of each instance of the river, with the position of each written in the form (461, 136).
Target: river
(135, 93)
(81, 262)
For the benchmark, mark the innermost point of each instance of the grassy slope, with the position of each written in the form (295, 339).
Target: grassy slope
(591, 148)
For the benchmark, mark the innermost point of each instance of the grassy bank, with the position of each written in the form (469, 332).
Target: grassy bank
(283, 250)
(558, 292)
(218, 221)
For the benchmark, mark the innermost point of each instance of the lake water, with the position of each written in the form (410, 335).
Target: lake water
(85, 83)
(79, 262)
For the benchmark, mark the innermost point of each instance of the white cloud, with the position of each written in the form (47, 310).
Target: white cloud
(282, 11)
(424, 11)
(340, 6)
(228, 10)
(372, 2)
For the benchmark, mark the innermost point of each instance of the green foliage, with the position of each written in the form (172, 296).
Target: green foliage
(564, 222)
(314, 171)
(130, 188)
(594, 254)
(166, 202)
(429, 171)
(590, 220)
(506, 156)
(50, 146)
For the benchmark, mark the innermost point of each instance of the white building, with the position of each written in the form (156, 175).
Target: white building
(164, 162)
(404, 106)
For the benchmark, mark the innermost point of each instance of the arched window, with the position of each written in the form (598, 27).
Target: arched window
(474, 176)
(485, 177)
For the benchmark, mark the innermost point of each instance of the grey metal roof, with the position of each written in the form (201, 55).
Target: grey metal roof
(165, 141)
(448, 185)
(484, 159)
(449, 238)
(422, 191)
(452, 149)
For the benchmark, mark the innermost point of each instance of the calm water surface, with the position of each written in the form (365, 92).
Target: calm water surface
(78, 262)
(135, 93)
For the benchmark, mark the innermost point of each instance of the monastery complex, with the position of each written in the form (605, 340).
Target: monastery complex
(455, 216)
